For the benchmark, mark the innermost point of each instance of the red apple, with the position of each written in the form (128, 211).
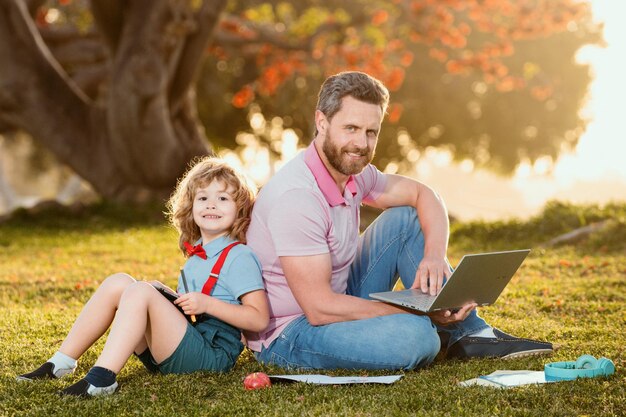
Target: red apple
(257, 380)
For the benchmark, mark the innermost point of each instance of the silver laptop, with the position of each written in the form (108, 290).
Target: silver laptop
(478, 278)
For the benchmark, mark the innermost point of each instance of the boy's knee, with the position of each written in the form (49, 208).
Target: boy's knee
(137, 291)
(116, 284)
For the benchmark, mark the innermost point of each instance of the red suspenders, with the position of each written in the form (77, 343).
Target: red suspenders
(215, 271)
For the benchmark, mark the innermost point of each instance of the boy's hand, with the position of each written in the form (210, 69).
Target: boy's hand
(194, 303)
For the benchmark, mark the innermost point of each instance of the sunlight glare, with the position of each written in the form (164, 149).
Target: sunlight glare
(601, 149)
(543, 166)
(259, 165)
(52, 15)
(289, 146)
(467, 166)
(257, 121)
(523, 171)
(391, 168)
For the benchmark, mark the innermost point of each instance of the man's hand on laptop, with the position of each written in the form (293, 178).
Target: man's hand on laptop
(445, 317)
(430, 274)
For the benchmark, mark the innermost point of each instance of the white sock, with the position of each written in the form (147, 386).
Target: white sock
(487, 332)
(63, 364)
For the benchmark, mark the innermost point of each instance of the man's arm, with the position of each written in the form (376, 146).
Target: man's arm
(433, 217)
(309, 276)
(309, 280)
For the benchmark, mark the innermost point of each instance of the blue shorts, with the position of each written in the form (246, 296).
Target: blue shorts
(209, 346)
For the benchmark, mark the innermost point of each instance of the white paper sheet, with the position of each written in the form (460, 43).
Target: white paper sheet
(508, 379)
(333, 380)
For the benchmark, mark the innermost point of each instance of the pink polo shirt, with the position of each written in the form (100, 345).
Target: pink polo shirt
(301, 212)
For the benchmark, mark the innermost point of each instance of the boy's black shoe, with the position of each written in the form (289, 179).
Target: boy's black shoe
(84, 389)
(502, 346)
(45, 371)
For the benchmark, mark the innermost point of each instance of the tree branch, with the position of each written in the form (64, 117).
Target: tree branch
(109, 18)
(6, 127)
(33, 5)
(139, 103)
(192, 52)
(577, 234)
(37, 96)
(266, 35)
(56, 35)
(79, 52)
(90, 78)
(26, 59)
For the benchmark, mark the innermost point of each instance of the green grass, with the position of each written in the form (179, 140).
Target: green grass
(573, 296)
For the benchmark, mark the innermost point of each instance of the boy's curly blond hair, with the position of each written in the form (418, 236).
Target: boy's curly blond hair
(200, 174)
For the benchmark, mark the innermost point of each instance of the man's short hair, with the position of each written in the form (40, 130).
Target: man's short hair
(358, 85)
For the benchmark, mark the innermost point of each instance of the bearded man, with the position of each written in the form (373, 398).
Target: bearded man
(319, 271)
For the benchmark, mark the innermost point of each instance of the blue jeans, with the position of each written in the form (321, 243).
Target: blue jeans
(392, 246)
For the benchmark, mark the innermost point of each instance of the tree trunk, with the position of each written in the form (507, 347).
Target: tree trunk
(135, 139)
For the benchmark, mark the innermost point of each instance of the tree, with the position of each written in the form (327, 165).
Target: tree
(496, 82)
(109, 86)
(136, 138)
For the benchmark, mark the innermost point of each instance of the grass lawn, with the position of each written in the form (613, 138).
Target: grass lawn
(573, 295)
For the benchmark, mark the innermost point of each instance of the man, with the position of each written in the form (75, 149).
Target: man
(318, 271)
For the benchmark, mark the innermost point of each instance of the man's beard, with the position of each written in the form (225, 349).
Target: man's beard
(341, 162)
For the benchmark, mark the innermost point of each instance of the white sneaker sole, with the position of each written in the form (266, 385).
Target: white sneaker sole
(533, 352)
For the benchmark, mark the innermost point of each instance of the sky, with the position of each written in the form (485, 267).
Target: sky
(595, 172)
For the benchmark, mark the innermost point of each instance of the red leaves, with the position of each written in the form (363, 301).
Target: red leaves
(380, 17)
(236, 28)
(439, 55)
(40, 17)
(464, 35)
(565, 263)
(455, 67)
(82, 284)
(278, 69)
(407, 59)
(541, 93)
(243, 97)
(395, 79)
(395, 112)
(279, 72)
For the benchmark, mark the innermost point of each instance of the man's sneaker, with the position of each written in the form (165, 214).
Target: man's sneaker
(84, 389)
(45, 371)
(502, 346)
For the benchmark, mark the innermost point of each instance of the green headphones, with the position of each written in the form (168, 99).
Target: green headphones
(586, 366)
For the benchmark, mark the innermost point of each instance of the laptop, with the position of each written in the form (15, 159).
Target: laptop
(478, 278)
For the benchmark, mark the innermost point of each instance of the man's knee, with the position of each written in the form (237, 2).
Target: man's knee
(402, 217)
(404, 213)
(421, 345)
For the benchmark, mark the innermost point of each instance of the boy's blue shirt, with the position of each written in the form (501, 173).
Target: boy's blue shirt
(240, 274)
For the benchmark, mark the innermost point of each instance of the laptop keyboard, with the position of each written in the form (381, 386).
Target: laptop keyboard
(421, 303)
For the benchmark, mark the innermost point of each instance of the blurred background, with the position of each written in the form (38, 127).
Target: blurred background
(499, 105)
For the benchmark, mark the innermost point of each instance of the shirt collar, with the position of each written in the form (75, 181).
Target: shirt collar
(324, 180)
(216, 245)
